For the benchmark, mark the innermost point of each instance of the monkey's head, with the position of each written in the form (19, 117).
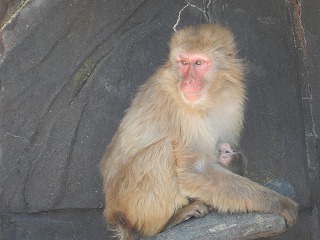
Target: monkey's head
(204, 61)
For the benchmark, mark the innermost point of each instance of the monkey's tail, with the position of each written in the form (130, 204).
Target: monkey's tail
(121, 227)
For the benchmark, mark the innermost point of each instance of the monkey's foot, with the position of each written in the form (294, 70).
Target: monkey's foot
(196, 209)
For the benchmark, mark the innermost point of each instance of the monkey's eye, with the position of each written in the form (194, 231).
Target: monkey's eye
(184, 62)
(199, 62)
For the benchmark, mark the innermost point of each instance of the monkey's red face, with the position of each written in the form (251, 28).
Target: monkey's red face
(193, 69)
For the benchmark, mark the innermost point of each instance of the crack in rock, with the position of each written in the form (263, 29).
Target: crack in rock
(203, 10)
(16, 136)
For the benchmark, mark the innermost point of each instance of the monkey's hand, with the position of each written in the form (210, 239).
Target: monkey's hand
(289, 210)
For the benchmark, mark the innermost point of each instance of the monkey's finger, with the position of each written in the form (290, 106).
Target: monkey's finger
(200, 210)
(291, 214)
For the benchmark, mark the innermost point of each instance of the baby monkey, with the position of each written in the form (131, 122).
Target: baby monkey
(230, 159)
(233, 160)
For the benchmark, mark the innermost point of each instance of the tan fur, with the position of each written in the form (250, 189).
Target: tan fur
(164, 151)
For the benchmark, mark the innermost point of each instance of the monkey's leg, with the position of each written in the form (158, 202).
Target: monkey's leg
(145, 194)
(195, 209)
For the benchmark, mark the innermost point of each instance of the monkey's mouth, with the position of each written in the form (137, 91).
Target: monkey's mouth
(192, 96)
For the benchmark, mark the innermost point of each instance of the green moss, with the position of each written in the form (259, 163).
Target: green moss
(83, 72)
(264, 176)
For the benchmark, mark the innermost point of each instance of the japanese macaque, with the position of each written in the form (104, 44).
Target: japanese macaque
(164, 163)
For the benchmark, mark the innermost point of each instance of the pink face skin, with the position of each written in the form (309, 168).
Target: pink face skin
(226, 153)
(193, 69)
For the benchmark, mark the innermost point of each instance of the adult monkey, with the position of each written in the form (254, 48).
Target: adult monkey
(163, 164)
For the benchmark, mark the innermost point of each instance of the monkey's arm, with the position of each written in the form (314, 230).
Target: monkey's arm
(229, 192)
(232, 226)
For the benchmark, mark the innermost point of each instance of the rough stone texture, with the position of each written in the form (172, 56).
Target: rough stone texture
(85, 224)
(232, 226)
(68, 69)
(226, 227)
(309, 76)
(8, 8)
